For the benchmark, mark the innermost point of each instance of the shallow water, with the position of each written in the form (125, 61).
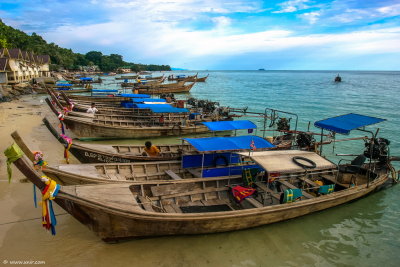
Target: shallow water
(362, 233)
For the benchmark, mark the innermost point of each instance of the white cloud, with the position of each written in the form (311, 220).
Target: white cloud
(152, 42)
(351, 15)
(293, 6)
(222, 22)
(155, 31)
(311, 17)
(392, 10)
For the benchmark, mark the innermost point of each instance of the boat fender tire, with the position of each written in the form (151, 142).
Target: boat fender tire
(220, 157)
(311, 164)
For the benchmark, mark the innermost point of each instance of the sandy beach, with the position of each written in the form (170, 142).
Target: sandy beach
(19, 217)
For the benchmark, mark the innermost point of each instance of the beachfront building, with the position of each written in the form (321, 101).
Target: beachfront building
(18, 66)
(92, 68)
(124, 70)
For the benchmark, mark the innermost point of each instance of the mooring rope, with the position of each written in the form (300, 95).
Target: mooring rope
(31, 219)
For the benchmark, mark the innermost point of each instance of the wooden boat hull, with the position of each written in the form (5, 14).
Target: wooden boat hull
(202, 79)
(161, 90)
(72, 91)
(112, 211)
(155, 85)
(100, 99)
(83, 128)
(112, 224)
(86, 154)
(126, 77)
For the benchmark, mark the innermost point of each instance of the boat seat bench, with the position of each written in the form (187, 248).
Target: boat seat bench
(308, 181)
(333, 180)
(290, 186)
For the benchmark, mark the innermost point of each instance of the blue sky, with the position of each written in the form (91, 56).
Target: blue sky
(222, 34)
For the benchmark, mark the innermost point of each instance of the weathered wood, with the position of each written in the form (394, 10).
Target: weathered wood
(162, 190)
(176, 208)
(173, 175)
(112, 212)
(146, 203)
(267, 190)
(194, 172)
(254, 202)
(193, 192)
(18, 140)
(86, 128)
(169, 209)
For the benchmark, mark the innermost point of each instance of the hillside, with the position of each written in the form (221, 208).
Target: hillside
(66, 58)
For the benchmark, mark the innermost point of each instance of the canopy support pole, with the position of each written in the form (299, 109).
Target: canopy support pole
(202, 166)
(322, 134)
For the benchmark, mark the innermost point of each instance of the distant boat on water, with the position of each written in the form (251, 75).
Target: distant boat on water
(261, 69)
(338, 79)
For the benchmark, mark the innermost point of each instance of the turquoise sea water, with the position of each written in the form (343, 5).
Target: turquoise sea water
(363, 233)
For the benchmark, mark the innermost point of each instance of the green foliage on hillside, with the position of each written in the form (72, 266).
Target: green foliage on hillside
(66, 58)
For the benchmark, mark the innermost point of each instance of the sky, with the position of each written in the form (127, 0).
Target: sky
(221, 34)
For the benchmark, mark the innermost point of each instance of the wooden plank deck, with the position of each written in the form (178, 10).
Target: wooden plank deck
(173, 175)
(267, 190)
(255, 203)
(146, 205)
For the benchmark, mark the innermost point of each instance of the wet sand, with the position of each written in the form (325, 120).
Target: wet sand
(326, 238)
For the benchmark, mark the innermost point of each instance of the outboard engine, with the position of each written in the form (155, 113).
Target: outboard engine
(305, 140)
(283, 124)
(191, 101)
(377, 149)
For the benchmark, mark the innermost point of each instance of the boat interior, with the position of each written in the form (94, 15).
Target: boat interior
(221, 194)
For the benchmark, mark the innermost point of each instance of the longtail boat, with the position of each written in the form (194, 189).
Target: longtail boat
(100, 99)
(69, 91)
(155, 78)
(164, 85)
(122, 211)
(197, 160)
(90, 153)
(89, 128)
(151, 82)
(183, 78)
(127, 77)
(202, 79)
(143, 115)
(169, 89)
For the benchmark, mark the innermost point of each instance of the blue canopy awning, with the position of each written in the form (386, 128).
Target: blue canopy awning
(162, 108)
(345, 123)
(229, 125)
(63, 84)
(86, 79)
(141, 100)
(135, 95)
(228, 143)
